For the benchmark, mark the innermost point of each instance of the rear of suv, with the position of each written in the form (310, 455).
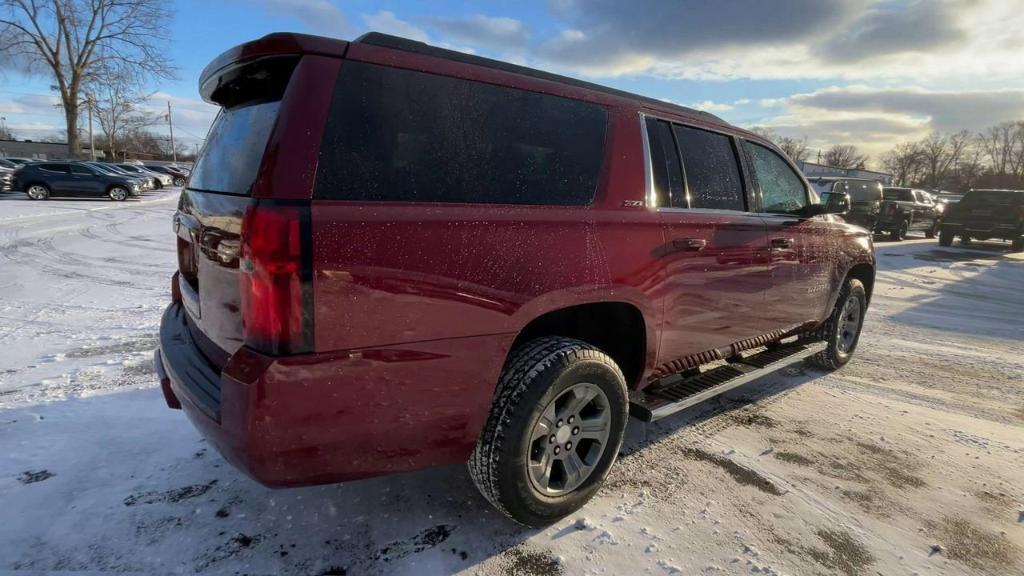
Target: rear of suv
(985, 214)
(393, 256)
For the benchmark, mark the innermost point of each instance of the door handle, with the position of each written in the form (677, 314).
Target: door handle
(781, 243)
(689, 244)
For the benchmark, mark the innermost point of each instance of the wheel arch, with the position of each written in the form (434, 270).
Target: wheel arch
(618, 328)
(864, 272)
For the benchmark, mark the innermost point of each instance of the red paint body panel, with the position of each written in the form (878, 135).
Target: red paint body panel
(416, 305)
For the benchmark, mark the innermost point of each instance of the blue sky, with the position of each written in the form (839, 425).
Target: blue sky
(867, 72)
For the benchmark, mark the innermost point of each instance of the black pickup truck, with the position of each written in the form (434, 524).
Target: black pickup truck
(985, 214)
(906, 209)
(865, 197)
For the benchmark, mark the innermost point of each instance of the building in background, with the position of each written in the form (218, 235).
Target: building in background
(36, 150)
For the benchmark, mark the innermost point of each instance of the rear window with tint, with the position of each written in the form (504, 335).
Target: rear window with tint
(864, 191)
(401, 135)
(234, 148)
(899, 194)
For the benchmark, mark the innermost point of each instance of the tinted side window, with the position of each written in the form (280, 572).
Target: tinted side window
(402, 135)
(76, 169)
(781, 189)
(710, 168)
(62, 168)
(668, 177)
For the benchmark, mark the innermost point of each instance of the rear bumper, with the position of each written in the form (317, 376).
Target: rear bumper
(321, 418)
(1003, 231)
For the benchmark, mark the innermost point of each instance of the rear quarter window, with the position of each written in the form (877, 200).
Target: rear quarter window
(401, 135)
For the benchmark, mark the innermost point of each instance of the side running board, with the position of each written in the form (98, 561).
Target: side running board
(679, 391)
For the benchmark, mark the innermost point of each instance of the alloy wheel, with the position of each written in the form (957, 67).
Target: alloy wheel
(568, 439)
(849, 325)
(37, 192)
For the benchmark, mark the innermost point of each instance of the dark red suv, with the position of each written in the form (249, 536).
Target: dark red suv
(393, 256)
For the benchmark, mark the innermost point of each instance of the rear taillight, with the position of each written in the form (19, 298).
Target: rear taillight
(275, 276)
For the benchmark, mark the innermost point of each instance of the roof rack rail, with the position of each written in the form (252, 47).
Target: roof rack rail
(417, 47)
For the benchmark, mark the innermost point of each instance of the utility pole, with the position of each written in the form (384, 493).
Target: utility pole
(92, 146)
(170, 126)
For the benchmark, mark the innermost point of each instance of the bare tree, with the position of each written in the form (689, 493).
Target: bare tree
(75, 40)
(844, 156)
(115, 103)
(939, 152)
(999, 143)
(795, 148)
(904, 163)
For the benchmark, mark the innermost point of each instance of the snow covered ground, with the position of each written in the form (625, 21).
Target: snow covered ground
(909, 460)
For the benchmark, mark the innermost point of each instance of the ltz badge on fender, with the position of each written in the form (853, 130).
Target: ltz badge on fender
(632, 203)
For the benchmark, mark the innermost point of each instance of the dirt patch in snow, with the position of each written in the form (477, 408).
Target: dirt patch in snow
(423, 541)
(740, 474)
(170, 496)
(794, 458)
(843, 552)
(522, 561)
(31, 477)
(976, 547)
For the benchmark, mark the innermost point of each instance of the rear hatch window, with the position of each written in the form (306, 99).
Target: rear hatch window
(250, 96)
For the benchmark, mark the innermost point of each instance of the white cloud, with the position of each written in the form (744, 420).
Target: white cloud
(711, 106)
(876, 119)
(319, 15)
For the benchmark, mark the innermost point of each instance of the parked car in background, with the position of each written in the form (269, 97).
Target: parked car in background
(5, 163)
(161, 180)
(42, 180)
(985, 214)
(906, 209)
(442, 258)
(865, 197)
(143, 183)
(178, 177)
(6, 176)
(21, 161)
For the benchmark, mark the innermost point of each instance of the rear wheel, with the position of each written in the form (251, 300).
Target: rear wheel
(946, 238)
(554, 430)
(841, 331)
(933, 231)
(965, 239)
(38, 192)
(118, 193)
(1017, 245)
(179, 181)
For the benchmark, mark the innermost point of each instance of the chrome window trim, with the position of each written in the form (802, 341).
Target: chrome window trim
(649, 198)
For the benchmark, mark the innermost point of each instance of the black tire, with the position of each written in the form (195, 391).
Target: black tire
(837, 351)
(118, 193)
(932, 232)
(965, 239)
(535, 375)
(946, 237)
(37, 191)
(899, 233)
(1017, 245)
(179, 182)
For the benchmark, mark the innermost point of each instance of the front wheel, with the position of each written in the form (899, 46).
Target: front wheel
(900, 232)
(118, 193)
(554, 430)
(179, 182)
(933, 231)
(946, 238)
(38, 192)
(841, 331)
